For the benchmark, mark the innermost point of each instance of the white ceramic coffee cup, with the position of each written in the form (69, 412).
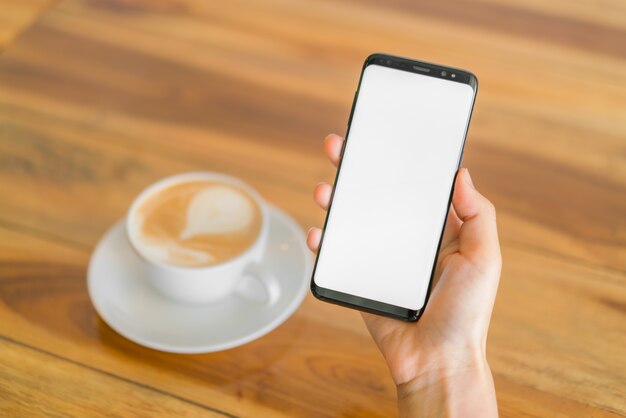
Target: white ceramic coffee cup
(206, 284)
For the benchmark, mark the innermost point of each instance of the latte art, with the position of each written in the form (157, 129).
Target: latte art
(196, 223)
(217, 210)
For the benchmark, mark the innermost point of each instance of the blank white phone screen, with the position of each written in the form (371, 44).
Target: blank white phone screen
(391, 196)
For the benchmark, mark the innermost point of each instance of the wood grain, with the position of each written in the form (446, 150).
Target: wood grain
(140, 106)
(100, 98)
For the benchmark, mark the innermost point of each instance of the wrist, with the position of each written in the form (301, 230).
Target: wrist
(412, 365)
(450, 389)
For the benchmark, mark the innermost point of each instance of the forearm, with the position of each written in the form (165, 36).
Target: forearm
(460, 393)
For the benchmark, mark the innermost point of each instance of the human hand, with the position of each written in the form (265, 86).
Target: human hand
(445, 350)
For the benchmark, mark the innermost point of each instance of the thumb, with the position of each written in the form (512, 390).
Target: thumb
(478, 236)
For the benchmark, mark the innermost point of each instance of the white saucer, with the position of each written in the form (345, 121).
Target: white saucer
(134, 309)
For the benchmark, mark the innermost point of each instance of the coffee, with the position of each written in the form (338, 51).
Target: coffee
(196, 223)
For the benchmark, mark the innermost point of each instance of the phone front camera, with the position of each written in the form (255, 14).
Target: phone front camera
(444, 73)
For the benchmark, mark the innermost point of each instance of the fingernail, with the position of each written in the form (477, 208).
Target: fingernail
(468, 179)
(309, 230)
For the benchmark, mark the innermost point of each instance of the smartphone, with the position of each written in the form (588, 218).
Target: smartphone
(393, 186)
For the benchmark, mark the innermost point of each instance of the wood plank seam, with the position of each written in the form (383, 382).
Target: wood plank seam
(37, 233)
(512, 243)
(16, 35)
(115, 376)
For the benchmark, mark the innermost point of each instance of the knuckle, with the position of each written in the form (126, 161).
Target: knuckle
(490, 209)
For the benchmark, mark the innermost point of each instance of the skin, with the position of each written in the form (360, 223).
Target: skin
(439, 363)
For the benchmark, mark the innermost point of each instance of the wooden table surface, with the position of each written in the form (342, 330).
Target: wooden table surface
(100, 98)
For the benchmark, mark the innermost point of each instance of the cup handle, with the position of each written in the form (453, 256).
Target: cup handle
(259, 285)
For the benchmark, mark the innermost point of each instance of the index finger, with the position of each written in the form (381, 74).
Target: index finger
(332, 148)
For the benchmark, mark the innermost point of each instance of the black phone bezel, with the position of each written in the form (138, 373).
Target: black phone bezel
(370, 305)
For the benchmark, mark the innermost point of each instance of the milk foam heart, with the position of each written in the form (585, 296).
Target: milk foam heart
(196, 223)
(217, 210)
